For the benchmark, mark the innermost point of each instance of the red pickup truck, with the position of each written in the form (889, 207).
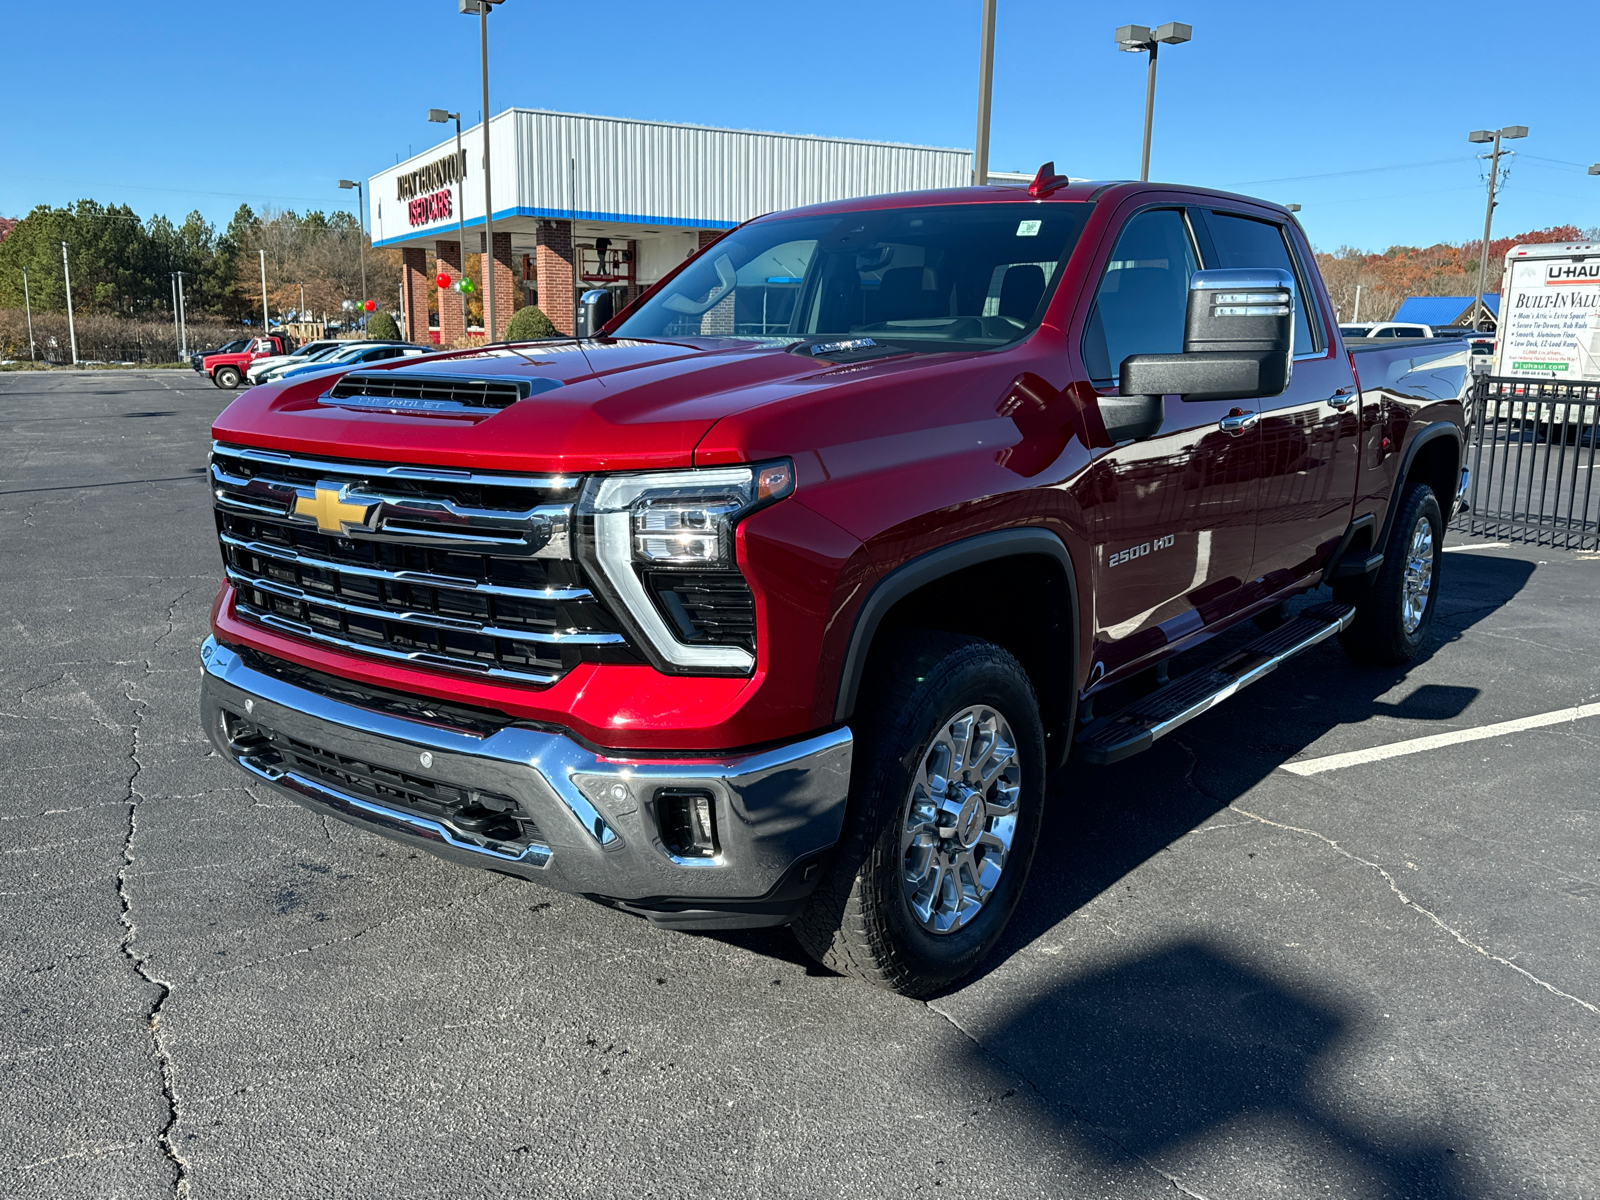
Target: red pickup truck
(227, 369)
(776, 601)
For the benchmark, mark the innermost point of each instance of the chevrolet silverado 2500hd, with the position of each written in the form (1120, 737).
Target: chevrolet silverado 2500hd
(775, 601)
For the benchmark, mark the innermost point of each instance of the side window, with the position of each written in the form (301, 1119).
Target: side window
(1388, 333)
(1143, 296)
(1247, 242)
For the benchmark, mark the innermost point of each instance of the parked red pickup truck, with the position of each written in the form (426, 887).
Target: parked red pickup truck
(775, 602)
(227, 369)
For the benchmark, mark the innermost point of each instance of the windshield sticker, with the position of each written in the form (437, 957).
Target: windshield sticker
(1028, 228)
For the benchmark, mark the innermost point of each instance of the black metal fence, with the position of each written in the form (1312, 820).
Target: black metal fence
(1531, 450)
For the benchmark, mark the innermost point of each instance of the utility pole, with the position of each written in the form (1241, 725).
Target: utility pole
(172, 278)
(183, 320)
(1479, 137)
(980, 156)
(27, 299)
(1357, 316)
(265, 320)
(72, 328)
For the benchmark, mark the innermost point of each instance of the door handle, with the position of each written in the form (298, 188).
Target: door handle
(1341, 400)
(1237, 423)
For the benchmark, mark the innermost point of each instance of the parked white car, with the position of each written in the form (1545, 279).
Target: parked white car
(355, 356)
(1387, 329)
(302, 355)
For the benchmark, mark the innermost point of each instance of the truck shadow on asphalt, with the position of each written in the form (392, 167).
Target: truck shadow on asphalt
(1146, 1058)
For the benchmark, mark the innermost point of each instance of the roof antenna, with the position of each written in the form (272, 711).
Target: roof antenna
(1047, 181)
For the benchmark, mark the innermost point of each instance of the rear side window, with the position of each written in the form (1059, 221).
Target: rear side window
(1143, 295)
(1388, 333)
(1246, 242)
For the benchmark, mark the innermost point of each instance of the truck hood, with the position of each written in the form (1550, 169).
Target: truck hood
(605, 405)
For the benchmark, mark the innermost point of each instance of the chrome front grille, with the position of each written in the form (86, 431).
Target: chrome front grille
(462, 571)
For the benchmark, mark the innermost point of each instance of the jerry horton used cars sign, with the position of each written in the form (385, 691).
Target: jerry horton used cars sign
(427, 189)
(1550, 319)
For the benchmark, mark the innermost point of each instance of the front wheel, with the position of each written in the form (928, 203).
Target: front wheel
(1393, 617)
(946, 799)
(227, 378)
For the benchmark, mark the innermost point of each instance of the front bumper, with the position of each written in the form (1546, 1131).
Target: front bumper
(778, 811)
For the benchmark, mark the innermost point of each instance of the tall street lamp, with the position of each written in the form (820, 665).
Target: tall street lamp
(439, 117)
(266, 321)
(1480, 137)
(481, 8)
(361, 224)
(980, 156)
(1135, 38)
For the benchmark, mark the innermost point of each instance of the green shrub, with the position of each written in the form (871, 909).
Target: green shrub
(529, 324)
(380, 325)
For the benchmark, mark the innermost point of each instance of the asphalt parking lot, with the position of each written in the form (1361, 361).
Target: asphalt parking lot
(1227, 979)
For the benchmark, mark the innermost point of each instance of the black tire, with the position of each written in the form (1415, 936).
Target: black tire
(1382, 631)
(226, 378)
(860, 921)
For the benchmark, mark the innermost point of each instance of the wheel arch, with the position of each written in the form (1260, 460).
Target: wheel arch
(1434, 458)
(1037, 622)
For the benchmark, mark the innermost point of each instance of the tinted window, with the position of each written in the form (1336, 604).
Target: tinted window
(1143, 296)
(1388, 333)
(1243, 242)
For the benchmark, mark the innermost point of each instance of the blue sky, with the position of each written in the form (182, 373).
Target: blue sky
(1358, 111)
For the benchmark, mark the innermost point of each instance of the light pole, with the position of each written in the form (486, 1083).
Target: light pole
(361, 226)
(177, 344)
(1479, 137)
(27, 300)
(266, 321)
(1134, 38)
(482, 7)
(439, 116)
(72, 328)
(980, 156)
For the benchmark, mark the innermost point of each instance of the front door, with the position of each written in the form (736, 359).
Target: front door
(1173, 516)
(1310, 435)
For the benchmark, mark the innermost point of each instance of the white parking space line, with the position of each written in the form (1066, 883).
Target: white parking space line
(1477, 546)
(1332, 762)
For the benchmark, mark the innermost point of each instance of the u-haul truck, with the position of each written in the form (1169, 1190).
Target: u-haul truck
(1550, 313)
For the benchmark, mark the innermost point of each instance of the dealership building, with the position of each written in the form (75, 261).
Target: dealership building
(583, 202)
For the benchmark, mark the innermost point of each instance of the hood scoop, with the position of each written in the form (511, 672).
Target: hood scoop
(845, 350)
(411, 392)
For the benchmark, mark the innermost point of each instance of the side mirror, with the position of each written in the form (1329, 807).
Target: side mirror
(1238, 341)
(594, 310)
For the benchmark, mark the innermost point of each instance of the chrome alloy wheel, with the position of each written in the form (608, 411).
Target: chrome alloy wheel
(960, 817)
(1419, 575)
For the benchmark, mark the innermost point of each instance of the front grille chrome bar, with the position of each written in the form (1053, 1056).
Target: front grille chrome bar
(334, 466)
(419, 578)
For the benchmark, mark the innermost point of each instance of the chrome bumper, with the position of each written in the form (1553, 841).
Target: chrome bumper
(778, 811)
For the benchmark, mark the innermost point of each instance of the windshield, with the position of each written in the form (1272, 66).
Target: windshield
(970, 276)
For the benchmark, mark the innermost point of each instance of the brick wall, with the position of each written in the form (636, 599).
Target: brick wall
(451, 304)
(557, 274)
(414, 286)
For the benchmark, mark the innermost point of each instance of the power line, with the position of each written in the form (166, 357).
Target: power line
(1437, 162)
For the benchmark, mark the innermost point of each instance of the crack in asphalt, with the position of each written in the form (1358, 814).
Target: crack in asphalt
(1098, 1130)
(1394, 886)
(136, 960)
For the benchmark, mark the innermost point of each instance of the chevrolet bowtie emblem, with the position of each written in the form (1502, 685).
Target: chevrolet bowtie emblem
(332, 512)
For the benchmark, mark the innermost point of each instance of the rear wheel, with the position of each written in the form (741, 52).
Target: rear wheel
(226, 377)
(1393, 617)
(946, 799)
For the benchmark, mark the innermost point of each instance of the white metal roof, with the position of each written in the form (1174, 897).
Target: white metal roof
(652, 174)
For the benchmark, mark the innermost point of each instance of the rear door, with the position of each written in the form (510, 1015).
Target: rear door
(1173, 516)
(1310, 434)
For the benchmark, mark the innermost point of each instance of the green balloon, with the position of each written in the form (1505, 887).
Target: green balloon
(466, 285)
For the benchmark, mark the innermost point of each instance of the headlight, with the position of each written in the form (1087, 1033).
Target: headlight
(656, 534)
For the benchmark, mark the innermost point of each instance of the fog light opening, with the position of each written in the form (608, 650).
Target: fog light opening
(688, 818)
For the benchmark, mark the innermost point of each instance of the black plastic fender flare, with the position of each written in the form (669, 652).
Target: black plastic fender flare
(1428, 433)
(934, 565)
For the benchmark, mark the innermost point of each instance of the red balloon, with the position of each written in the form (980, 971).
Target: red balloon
(443, 279)
(371, 306)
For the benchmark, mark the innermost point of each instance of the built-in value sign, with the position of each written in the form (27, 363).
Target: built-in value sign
(1550, 319)
(432, 207)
